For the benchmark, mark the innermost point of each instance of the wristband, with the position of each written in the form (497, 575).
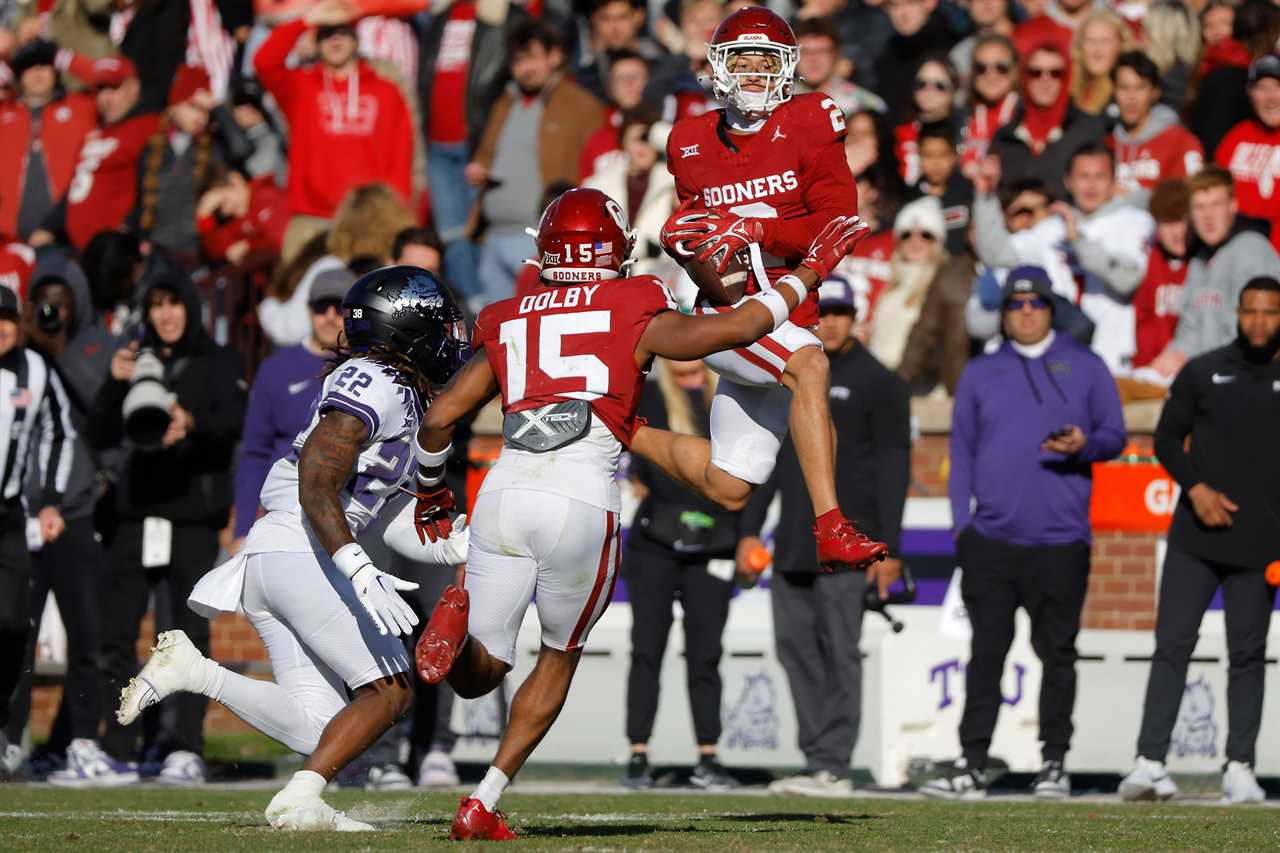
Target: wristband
(777, 305)
(796, 285)
(350, 558)
(430, 460)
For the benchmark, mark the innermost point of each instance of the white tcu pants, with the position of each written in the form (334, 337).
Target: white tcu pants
(318, 636)
(560, 552)
(750, 408)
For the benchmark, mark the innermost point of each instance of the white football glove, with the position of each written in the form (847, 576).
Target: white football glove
(377, 591)
(402, 537)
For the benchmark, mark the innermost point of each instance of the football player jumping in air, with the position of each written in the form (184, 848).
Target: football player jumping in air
(569, 361)
(329, 618)
(757, 180)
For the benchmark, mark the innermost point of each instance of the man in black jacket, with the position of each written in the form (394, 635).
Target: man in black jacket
(1225, 531)
(170, 500)
(817, 617)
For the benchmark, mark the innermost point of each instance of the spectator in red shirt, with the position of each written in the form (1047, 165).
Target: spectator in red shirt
(1149, 142)
(932, 103)
(237, 218)
(628, 76)
(1158, 299)
(347, 125)
(461, 73)
(104, 189)
(40, 136)
(1251, 151)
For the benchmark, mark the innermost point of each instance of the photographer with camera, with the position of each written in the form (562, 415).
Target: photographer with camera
(817, 616)
(175, 401)
(35, 431)
(63, 327)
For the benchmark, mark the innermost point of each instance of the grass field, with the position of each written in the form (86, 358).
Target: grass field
(148, 818)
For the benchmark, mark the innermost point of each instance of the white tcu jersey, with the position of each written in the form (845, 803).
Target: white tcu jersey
(391, 412)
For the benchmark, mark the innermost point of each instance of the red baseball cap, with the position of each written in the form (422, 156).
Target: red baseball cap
(111, 71)
(189, 80)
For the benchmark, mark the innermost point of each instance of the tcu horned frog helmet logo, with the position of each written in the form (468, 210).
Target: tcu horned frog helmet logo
(583, 236)
(418, 292)
(753, 46)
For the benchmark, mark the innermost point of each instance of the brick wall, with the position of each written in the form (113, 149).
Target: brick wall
(1121, 592)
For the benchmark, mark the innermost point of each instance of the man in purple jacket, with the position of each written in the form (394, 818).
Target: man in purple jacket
(283, 389)
(1029, 421)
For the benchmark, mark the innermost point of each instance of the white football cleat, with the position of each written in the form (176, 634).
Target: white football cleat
(303, 812)
(1148, 781)
(176, 666)
(1240, 785)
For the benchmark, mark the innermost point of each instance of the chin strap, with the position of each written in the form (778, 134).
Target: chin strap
(741, 123)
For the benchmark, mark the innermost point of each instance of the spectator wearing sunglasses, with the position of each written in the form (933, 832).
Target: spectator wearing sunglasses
(280, 399)
(1048, 128)
(1029, 420)
(990, 18)
(932, 105)
(919, 231)
(993, 98)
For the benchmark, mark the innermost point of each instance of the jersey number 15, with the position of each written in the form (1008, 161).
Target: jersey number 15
(551, 330)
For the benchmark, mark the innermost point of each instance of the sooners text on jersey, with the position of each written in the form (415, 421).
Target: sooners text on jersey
(793, 169)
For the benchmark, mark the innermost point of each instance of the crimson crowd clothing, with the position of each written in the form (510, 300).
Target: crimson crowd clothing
(1252, 152)
(1161, 149)
(1016, 148)
(17, 260)
(1157, 303)
(981, 125)
(45, 143)
(470, 43)
(343, 131)
(263, 225)
(104, 190)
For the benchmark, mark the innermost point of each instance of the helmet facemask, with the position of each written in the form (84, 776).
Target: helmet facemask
(778, 74)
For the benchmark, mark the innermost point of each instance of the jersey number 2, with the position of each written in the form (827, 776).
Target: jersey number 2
(551, 330)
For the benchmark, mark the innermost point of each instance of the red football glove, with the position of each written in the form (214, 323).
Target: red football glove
(431, 515)
(685, 225)
(731, 234)
(833, 243)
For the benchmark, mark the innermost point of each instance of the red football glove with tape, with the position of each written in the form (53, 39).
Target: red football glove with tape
(731, 234)
(833, 242)
(431, 515)
(687, 224)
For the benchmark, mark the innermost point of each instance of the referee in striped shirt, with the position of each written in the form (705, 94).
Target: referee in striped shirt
(35, 429)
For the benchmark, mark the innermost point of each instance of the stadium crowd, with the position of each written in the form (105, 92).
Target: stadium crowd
(200, 182)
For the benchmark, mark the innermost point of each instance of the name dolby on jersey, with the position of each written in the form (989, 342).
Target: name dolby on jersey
(560, 297)
(738, 192)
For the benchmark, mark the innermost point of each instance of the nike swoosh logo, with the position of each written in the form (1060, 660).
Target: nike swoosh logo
(1220, 379)
(299, 387)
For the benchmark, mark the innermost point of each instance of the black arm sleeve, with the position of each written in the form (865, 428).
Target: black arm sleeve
(1175, 424)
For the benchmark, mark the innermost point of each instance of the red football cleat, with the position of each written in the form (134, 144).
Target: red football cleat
(843, 545)
(474, 822)
(446, 633)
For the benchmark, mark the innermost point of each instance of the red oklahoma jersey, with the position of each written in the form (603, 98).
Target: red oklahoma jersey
(104, 189)
(1171, 154)
(573, 342)
(1156, 305)
(1252, 152)
(791, 173)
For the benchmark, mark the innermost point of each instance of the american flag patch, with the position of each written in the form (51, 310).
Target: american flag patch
(20, 398)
